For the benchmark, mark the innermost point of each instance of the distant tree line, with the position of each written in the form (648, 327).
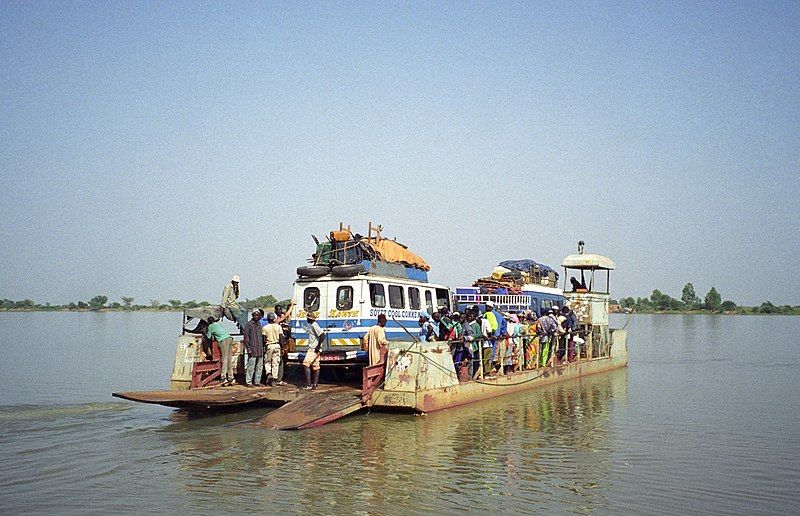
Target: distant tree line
(100, 302)
(690, 302)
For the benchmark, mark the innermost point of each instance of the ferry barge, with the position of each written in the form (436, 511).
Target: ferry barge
(352, 280)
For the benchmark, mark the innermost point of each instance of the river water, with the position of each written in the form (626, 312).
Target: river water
(704, 419)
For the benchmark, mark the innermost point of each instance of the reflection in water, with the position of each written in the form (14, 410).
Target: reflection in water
(546, 449)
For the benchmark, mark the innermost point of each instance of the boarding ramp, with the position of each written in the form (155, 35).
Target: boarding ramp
(314, 408)
(327, 403)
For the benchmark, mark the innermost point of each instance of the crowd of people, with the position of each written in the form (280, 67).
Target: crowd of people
(492, 343)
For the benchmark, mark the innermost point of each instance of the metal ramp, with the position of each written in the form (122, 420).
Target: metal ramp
(315, 408)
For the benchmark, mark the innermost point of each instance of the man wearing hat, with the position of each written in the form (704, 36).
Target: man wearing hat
(272, 342)
(229, 304)
(254, 344)
(315, 339)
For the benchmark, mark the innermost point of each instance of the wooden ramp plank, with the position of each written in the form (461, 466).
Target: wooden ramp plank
(313, 409)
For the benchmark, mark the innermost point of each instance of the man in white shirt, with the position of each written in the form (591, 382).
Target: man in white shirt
(272, 340)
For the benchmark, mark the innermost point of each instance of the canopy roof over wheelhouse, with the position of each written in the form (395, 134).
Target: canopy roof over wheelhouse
(588, 262)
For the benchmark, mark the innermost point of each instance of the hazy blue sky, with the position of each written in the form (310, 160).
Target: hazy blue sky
(153, 149)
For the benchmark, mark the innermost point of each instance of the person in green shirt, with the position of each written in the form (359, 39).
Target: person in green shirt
(225, 342)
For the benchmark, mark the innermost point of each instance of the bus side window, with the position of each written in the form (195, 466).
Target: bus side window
(377, 295)
(442, 298)
(396, 297)
(311, 299)
(429, 299)
(344, 298)
(413, 298)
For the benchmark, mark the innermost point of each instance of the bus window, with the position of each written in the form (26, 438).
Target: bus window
(377, 295)
(396, 298)
(442, 298)
(344, 298)
(429, 299)
(311, 299)
(413, 298)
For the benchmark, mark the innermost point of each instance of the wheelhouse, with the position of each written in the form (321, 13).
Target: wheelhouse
(589, 296)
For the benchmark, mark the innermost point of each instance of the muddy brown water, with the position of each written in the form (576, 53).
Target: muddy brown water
(704, 420)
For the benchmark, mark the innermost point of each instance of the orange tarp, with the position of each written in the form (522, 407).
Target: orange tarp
(391, 251)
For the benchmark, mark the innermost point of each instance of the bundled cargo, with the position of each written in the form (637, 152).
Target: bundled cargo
(531, 267)
(510, 275)
(348, 254)
(394, 252)
(342, 235)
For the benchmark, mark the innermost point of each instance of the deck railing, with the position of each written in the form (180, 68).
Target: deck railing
(514, 302)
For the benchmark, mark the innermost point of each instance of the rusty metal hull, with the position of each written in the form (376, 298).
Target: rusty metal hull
(429, 400)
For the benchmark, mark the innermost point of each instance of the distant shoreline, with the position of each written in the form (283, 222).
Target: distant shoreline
(700, 312)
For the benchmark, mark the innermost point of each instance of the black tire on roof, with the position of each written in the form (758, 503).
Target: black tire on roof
(312, 271)
(345, 271)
